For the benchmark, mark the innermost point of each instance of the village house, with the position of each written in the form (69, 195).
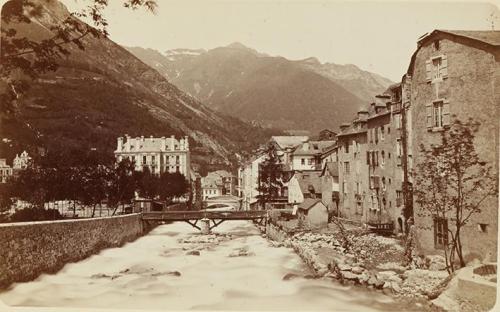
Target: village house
(285, 146)
(302, 185)
(353, 168)
(327, 135)
(218, 183)
(21, 161)
(5, 171)
(311, 155)
(248, 181)
(453, 75)
(330, 187)
(312, 214)
(158, 154)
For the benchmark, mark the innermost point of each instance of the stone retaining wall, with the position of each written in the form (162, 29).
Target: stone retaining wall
(29, 249)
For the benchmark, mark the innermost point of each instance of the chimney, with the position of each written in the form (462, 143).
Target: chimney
(142, 138)
(120, 144)
(363, 114)
(344, 126)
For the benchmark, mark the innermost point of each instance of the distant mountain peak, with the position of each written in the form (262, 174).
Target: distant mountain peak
(238, 45)
(311, 60)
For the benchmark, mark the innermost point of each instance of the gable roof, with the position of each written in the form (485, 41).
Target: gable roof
(487, 40)
(309, 181)
(289, 141)
(314, 147)
(308, 203)
(491, 37)
(331, 167)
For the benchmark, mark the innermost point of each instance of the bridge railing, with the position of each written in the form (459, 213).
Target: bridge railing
(196, 215)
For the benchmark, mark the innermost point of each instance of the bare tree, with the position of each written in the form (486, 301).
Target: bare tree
(453, 183)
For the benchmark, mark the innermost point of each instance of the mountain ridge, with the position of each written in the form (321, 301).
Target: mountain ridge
(227, 78)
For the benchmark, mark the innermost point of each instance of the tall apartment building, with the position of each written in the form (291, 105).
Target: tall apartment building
(455, 74)
(353, 168)
(158, 154)
(384, 159)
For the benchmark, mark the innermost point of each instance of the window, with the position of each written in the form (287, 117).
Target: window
(153, 159)
(376, 135)
(440, 232)
(303, 161)
(144, 159)
(310, 161)
(383, 183)
(344, 188)
(389, 155)
(383, 158)
(347, 169)
(382, 137)
(436, 68)
(482, 227)
(436, 45)
(357, 188)
(437, 114)
(367, 157)
(388, 130)
(346, 147)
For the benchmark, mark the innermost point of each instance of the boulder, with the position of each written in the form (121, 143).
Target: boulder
(344, 267)
(373, 281)
(349, 276)
(193, 253)
(389, 276)
(290, 276)
(357, 270)
(435, 262)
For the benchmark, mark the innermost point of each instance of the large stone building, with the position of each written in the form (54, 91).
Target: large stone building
(21, 161)
(384, 159)
(455, 74)
(158, 154)
(353, 168)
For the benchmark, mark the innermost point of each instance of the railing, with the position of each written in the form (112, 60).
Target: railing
(196, 215)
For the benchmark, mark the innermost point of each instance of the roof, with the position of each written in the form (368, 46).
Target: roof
(332, 168)
(151, 144)
(289, 141)
(309, 181)
(488, 40)
(314, 147)
(491, 37)
(308, 203)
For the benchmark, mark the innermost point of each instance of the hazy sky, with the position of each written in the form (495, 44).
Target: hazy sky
(376, 36)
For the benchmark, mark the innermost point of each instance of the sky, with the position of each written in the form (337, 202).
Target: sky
(376, 36)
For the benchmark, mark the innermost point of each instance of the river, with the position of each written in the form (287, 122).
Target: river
(155, 272)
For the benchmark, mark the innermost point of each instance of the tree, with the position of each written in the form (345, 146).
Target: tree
(172, 185)
(270, 177)
(24, 58)
(452, 183)
(122, 184)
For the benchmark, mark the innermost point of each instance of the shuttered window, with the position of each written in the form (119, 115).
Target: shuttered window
(438, 114)
(436, 68)
(440, 232)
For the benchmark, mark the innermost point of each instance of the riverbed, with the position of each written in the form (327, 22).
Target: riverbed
(236, 269)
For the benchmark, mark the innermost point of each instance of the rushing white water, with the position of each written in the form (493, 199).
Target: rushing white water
(142, 275)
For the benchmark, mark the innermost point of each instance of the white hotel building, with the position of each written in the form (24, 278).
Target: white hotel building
(158, 154)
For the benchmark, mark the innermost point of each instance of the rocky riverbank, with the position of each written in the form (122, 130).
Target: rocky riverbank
(371, 261)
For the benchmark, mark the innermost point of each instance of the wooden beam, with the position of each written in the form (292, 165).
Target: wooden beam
(193, 224)
(216, 224)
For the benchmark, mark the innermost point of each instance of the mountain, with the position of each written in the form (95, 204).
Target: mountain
(270, 91)
(103, 92)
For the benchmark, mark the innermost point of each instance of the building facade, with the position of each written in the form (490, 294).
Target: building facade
(454, 75)
(21, 161)
(5, 171)
(384, 159)
(157, 154)
(353, 168)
